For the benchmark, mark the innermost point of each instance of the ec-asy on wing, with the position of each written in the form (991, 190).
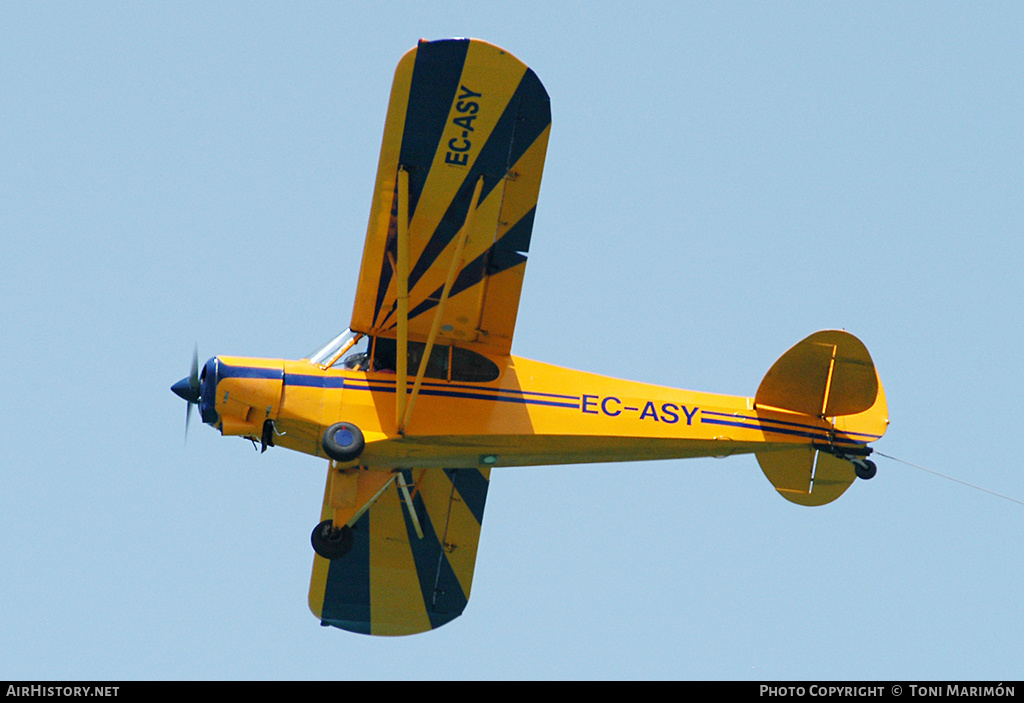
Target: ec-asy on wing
(464, 116)
(410, 567)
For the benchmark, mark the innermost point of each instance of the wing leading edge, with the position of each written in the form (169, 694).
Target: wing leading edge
(460, 111)
(394, 582)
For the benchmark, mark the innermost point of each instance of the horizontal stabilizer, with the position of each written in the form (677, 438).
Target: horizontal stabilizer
(805, 476)
(830, 373)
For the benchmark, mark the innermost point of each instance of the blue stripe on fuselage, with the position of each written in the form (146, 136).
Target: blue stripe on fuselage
(445, 390)
(781, 427)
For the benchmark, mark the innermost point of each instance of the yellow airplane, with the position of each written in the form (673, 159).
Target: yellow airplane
(420, 398)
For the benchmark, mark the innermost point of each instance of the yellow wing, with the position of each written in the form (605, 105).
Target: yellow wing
(460, 110)
(395, 581)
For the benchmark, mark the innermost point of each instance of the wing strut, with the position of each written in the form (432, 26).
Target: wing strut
(404, 410)
(403, 488)
(351, 492)
(402, 360)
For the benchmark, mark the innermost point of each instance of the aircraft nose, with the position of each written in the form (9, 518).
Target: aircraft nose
(199, 389)
(186, 390)
(207, 390)
(189, 388)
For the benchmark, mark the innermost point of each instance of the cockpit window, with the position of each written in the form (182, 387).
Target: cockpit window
(385, 353)
(449, 363)
(470, 366)
(357, 357)
(355, 351)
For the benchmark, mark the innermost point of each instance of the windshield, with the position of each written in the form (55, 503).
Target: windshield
(334, 349)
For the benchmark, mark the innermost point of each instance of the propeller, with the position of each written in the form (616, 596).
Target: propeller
(188, 388)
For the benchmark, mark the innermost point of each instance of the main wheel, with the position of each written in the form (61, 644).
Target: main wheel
(330, 542)
(865, 469)
(343, 441)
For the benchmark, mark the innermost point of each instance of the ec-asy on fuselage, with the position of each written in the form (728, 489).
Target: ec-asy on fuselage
(421, 398)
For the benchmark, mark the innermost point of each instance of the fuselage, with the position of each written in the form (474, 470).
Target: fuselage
(531, 413)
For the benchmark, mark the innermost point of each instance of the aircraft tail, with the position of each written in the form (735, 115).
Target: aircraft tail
(828, 375)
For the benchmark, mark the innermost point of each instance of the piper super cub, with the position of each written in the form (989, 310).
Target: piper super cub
(420, 398)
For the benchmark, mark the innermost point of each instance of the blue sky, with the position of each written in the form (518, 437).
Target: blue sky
(722, 180)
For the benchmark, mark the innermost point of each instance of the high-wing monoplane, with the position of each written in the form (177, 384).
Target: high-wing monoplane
(421, 398)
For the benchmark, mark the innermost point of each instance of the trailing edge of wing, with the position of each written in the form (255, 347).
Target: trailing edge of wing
(460, 110)
(394, 582)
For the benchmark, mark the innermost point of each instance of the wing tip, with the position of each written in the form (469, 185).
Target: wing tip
(386, 629)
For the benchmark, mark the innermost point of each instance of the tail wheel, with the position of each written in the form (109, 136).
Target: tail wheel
(343, 441)
(331, 542)
(865, 469)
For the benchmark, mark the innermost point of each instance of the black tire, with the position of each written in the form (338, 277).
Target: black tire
(865, 470)
(343, 441)
(331, 543)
